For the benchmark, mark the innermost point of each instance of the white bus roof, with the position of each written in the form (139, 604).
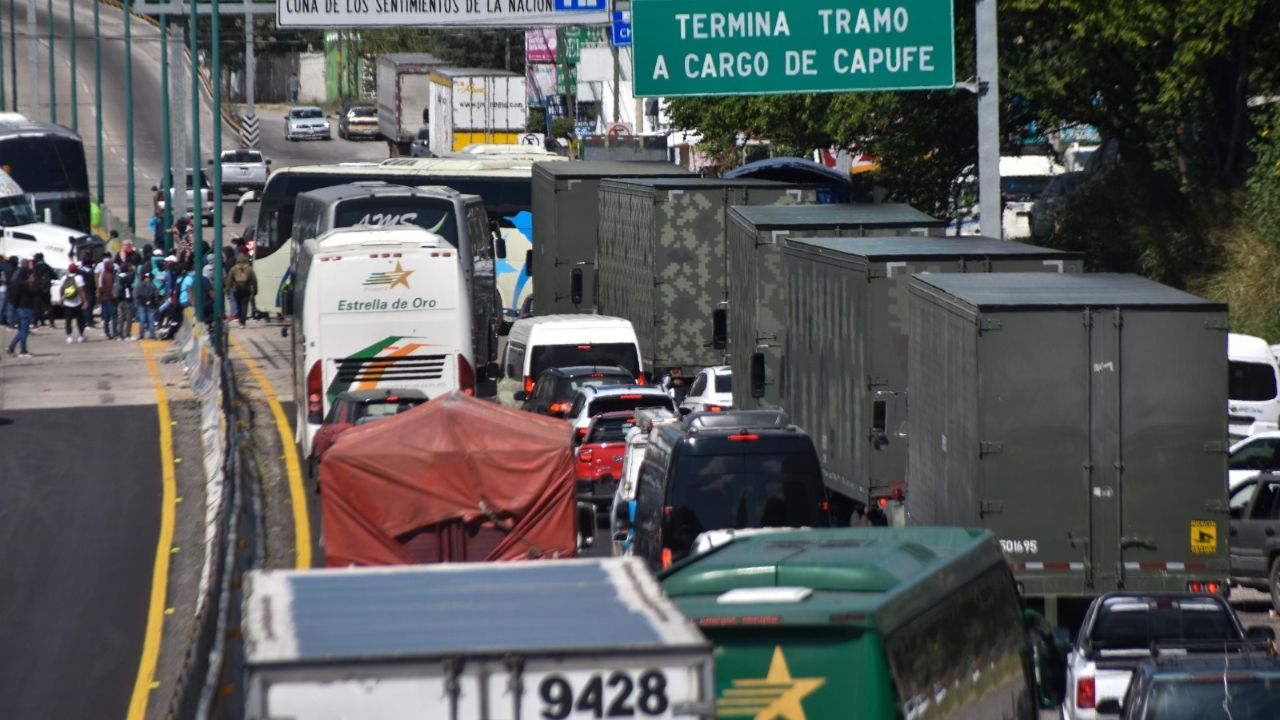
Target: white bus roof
(367, 236)
(513, 167)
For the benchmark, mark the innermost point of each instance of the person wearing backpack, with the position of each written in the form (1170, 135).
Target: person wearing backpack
(244, 284)
(74, 300)
(146, 300)
(123, 290)
(105, 279)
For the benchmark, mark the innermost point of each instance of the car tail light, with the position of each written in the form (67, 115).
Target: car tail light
(714, 408)
(466, 376)
(585, 454)
(1211, 587)
(666, 558)
(640, 380)
(584, 347)
(1085, 697)
(1195, 587)
(744, 437)
(882, 502)
(582, 432)
(630, 397)
(528, 384)
(898, 495)
(558, 407)
(393, 398)
(315, 405)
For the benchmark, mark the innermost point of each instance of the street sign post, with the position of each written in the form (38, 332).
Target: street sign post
(754, 47)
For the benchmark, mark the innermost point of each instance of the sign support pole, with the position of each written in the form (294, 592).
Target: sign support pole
(215, 72)
(166, 142)
(97, 100)
(988, 61)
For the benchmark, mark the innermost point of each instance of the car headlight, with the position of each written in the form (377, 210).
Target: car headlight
(326, 124)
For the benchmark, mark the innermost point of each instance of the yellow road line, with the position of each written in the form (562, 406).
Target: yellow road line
(297, 496)
(160, 571)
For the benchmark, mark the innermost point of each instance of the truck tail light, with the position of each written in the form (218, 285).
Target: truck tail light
(315, 405)
(528, 384)
(1085, 697)
(714, 408)
(1209, 586)
(585, 454)
(666, 558)
(466, 376)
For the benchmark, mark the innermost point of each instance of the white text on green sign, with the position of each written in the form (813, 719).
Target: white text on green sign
(753, 47)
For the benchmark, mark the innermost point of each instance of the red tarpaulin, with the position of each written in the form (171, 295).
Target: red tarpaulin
(453, 479)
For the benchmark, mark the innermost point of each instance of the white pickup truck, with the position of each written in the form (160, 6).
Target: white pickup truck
(243, 170)
(206, 196)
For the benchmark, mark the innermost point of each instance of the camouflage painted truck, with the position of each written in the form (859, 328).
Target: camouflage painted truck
(868, 624)
(845, 364)
(566, 218)
(757, 283)
(662, 261)
(1079, 418)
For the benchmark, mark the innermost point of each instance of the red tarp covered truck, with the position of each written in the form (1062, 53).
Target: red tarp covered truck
(455, 479)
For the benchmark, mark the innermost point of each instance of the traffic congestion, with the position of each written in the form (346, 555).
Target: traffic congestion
(486, 406)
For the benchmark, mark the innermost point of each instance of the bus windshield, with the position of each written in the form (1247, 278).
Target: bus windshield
(433, 215)
(45, 163)
(15, 210)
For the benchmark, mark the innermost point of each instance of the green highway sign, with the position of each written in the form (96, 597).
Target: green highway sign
(754, 47)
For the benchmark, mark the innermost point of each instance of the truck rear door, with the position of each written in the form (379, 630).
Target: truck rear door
(1167, 477)
(1030, 485)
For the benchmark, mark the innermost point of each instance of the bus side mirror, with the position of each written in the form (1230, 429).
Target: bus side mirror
(575, 286)
(237, 214)
(500, 247)
(757, 375)
(719, 328)
(528, 262)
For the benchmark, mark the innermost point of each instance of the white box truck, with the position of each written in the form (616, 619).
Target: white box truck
(403, 81)
(470, 107)
(557, 639)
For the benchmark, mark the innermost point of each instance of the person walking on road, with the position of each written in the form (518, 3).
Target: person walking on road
(146, 299)
(74, 300)
(105, 278)
(44, 278)
(123, 291)
(244, 284)
(293, 89)
(22, 297)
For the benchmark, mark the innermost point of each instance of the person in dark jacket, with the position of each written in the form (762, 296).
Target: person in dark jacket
(23, 296)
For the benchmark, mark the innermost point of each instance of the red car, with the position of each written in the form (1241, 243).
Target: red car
(599, 464)
(357, 407)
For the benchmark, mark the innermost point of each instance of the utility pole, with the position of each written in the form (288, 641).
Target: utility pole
(13, 54)
(178, 112)
(33, 57)
(2, 93)
(128, 116)
(75, 112)
(97, 96)
(197, 232)
(250, 71)
(53, 84)
(990, 207)
(166, 159)
(215, 72)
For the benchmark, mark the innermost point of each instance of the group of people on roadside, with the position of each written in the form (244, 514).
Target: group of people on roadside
(144, 286)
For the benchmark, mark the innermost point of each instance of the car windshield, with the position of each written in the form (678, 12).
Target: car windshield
(1135, 624)
(1250, 381)
(569, 387)
(1220, 695)
(383, 408)
(622, 403)
(608, 430)
(724, 383)
(713, 492)
(307, 113)
(1255, 455)
(363, 112)
(621, 355)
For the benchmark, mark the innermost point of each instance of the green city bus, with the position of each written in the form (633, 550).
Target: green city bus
(892, 623)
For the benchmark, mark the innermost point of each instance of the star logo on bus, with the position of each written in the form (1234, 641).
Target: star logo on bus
(390, 278)
(777, 696)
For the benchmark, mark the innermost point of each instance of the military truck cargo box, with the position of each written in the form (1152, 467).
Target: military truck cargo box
(662, 260)
(1079, 418)
(845, 362)
(566, 216)
(470, 641)
(757, 285)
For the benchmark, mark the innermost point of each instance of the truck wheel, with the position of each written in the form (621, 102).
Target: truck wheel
(1273, 583)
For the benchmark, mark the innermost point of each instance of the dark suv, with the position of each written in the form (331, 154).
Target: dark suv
(730, 470)
(555, 389)
(1255, 534)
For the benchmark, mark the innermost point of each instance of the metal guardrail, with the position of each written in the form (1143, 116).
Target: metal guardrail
(208, 681)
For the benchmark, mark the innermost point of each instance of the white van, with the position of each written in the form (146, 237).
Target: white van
(378, 308)
(551, 341)
(1253, 386)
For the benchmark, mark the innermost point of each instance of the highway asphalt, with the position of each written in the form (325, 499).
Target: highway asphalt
(79, 521)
